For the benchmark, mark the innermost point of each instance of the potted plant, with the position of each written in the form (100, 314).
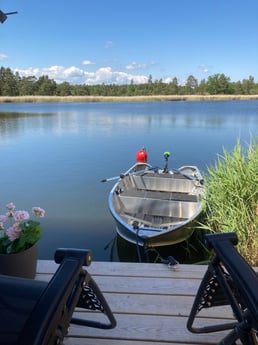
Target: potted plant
(19, 235)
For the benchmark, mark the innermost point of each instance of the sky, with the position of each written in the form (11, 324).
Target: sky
(120, 41)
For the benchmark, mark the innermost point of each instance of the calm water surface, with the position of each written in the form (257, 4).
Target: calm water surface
(54, 156)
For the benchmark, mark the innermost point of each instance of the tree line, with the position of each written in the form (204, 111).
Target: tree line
(12, 84)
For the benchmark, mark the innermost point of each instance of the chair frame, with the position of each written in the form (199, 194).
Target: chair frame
(230, 274)
(48, 321)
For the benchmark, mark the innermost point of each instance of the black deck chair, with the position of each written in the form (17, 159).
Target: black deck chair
(39, 313)
(229, 280)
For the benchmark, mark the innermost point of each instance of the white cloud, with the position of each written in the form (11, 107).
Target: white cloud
(3, 56)
(167, 80)
(104, 73)
(58, 73)
(108, 76)
(136, 66)
(31, 71)
(73, 72)
(75, 75)
(204, 68)
(88, 62)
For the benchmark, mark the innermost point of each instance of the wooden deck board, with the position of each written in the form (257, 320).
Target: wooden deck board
(151, 303)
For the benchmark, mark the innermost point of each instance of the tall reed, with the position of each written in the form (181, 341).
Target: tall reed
(232, 197)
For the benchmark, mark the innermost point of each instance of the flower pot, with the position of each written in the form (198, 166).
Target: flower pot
(21, 264)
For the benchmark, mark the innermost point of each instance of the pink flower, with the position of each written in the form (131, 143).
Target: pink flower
(38, 211)
(21, 232)
(14, 232)
(10, 206)
(3, 218)
(21, 215)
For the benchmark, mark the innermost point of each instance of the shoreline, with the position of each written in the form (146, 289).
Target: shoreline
(158, 98)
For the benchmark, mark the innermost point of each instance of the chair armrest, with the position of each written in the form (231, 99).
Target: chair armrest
(84, 254)
(52, 313)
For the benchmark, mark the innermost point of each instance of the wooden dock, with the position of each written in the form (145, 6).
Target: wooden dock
(151, 303)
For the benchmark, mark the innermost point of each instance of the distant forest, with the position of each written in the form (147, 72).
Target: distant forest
(12, 84)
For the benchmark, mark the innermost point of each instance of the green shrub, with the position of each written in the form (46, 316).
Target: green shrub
(232, 197)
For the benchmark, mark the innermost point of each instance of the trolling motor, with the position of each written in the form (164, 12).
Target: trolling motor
(166, 156)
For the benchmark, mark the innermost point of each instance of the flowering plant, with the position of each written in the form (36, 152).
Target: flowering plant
(17, 231)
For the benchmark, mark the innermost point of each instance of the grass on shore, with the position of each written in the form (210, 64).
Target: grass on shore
(232, 198)
(158, 98)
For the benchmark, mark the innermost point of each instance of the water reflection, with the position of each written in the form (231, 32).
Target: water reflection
(55, 155)
(72, 118)
(187, 252)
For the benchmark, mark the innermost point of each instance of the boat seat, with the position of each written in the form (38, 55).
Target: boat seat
(171, 208)
(229, 280)
(39, 313)
(159, 195)
(151, 220)
(173, 183)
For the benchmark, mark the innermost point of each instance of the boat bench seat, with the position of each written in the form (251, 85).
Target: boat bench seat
(170, 208)
(228, 280)
(165, 184)
(151, 220)
(158, 195)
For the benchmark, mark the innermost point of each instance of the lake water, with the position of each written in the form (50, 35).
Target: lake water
(54, 156)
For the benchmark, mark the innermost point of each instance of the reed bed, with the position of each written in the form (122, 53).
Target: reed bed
(152, 98)
(232, 197)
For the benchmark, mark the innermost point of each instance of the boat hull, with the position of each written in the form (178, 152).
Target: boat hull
(155, 208)
(172, 237)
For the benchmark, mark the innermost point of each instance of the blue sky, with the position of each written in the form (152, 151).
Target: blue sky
(116, 41)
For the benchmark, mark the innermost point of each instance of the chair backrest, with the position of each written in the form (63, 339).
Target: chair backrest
(50, 318)
(39, 313)
(230, 280)
(243, 276)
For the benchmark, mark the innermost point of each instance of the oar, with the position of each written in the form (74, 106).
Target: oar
(128, 174)
(112, 178)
